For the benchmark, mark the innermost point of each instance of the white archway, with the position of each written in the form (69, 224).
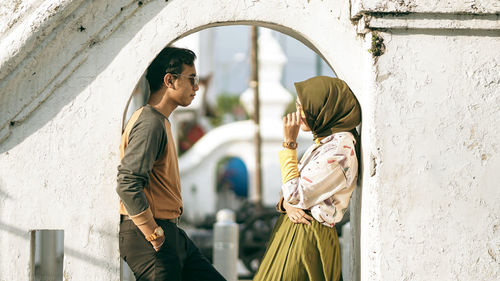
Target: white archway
(80, 77)
(67, 68)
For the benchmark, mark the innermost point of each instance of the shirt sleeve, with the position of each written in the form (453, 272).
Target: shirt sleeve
(146, 143)
(279, 207)
(321, 177)
(288, 164)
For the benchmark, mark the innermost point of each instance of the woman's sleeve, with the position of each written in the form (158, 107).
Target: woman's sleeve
(323, 176)
(288, 164)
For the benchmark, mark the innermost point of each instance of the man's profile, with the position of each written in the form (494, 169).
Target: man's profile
(148, 179)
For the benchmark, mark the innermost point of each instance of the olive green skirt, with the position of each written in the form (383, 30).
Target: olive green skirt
(299, 252)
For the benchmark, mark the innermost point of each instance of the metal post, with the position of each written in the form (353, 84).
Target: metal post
(225, 251)
(50, 261)
(254, 83)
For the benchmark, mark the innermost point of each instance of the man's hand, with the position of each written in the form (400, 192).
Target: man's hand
(147, 227)
(291, 126)
(297, 215)
(158, 243)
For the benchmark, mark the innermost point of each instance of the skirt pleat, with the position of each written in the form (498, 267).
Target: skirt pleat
(299, 252)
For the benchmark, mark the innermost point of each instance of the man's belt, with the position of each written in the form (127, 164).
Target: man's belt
(176, 220)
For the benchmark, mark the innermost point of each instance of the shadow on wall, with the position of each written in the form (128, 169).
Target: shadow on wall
(3, 195)
(90, 57)
(95, 54)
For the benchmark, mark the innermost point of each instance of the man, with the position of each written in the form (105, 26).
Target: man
(149, 182)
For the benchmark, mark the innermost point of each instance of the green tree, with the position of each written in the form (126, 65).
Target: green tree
(228, 107)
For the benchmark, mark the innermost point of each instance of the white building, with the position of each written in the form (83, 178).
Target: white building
(426, 74)
(198, 167)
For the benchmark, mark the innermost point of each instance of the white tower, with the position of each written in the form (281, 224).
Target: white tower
(273, 96)
(274, 99)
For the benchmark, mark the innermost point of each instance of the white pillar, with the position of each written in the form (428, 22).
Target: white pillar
(226, 244)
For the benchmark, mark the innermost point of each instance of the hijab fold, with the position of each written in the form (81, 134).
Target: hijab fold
(329, 105)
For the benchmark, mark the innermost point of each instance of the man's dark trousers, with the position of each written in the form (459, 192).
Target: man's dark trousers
(177, 260)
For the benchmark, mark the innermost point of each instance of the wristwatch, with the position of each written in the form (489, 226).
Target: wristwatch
(290, 144)
(158, 232)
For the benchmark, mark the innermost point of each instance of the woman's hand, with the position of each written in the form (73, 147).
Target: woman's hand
(297, 215)
(291, 126)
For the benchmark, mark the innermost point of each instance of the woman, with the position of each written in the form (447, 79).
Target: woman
(316, 191)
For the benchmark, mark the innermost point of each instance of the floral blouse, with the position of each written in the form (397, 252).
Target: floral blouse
(328, 173)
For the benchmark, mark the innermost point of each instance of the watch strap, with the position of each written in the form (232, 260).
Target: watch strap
(290, 144)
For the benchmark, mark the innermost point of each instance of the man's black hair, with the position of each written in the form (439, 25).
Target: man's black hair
(169, 60)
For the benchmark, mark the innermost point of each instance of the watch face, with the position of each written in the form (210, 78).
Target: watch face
(159, 231)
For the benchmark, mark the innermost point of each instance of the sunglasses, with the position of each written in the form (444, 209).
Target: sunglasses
(195, 80)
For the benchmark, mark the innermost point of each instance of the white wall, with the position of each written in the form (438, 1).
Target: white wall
(430, 144)
(435, 188)
(426, 6)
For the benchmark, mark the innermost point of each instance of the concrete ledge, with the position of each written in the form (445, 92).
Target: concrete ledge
(472, 7)
(373, 21)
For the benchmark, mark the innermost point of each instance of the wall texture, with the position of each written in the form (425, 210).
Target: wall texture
(436, 152)
(430, 99)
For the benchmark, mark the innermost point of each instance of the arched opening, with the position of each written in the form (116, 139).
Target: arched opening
(187, 116)
(80, 64)
(232, 183)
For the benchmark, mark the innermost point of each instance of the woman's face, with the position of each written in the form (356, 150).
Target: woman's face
(303, 124)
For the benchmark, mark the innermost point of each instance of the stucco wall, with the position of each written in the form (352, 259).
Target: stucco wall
(430, 144)
(62, 103)
(434, 182)
(426, 6)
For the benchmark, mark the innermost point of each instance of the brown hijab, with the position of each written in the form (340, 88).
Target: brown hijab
(329, 105)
